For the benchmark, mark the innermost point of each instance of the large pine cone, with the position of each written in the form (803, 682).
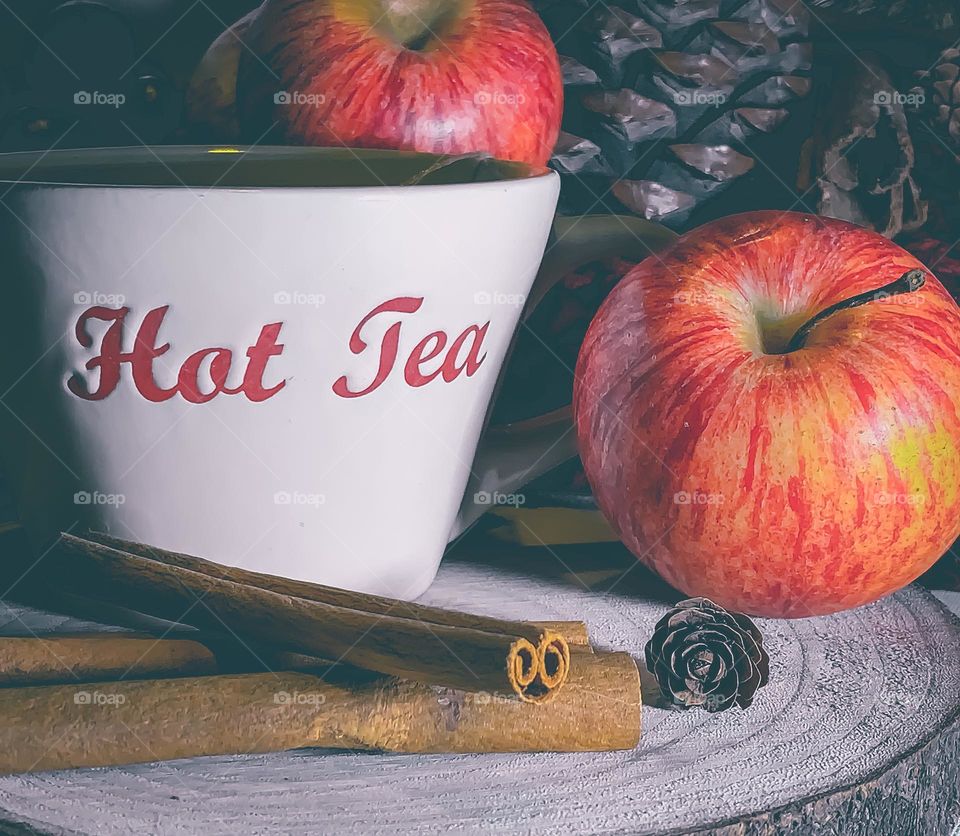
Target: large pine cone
(937, 14)
(941, 87)
(703, 655)
(670, 102)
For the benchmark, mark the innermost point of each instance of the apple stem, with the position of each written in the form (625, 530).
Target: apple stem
(909, 282)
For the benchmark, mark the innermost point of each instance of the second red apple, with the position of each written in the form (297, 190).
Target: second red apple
(439, 76)
(768, 414)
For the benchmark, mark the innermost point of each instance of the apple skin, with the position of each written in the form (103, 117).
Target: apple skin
(776, 484)
(490, 82)
(210, 104)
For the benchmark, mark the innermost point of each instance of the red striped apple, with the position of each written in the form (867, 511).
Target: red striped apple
(440, 76)
(769, 414)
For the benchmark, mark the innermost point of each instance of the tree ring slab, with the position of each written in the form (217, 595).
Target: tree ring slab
(858, 732)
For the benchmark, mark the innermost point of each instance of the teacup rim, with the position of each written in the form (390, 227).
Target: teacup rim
(164, 156)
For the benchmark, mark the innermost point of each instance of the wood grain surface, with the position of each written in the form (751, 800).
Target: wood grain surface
(857, 733)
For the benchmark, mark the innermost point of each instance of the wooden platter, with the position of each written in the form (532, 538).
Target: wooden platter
(857, 733)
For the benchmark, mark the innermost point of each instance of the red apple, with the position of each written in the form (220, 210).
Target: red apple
(780, 474)
(440, 76)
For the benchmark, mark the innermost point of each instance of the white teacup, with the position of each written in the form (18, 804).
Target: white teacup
(274, 358)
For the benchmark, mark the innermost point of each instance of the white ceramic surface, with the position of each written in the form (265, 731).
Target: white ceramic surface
(312, 469)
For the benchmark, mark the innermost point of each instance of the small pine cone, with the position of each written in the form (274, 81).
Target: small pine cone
(703, 655)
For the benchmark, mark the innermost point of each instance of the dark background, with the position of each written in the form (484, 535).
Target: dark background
(145, 49)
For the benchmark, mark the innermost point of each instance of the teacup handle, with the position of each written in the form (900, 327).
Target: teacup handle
(511, 455)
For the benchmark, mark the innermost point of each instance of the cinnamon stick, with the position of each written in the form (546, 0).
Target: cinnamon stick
(66, 726)
(533, 663)
(110, 660)
(575, 632)
(99, 656)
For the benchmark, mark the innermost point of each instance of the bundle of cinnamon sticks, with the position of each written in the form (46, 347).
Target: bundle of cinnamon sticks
(322, 667)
